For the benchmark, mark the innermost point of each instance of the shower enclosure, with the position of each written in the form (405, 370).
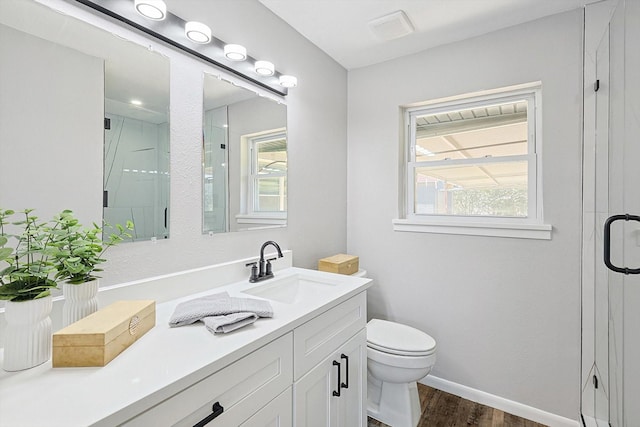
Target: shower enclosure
(611, 203)
(136, 174)
(215, 159)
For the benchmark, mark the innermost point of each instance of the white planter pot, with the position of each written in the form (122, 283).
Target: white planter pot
(79, 301)
(28, 333)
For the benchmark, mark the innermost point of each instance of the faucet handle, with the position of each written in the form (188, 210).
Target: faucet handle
(254, 271)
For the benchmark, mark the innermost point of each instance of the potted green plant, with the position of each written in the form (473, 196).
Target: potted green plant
(26, 283)
(79, 251)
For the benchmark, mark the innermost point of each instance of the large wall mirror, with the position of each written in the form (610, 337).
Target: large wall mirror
(84, 121)
(244, 159)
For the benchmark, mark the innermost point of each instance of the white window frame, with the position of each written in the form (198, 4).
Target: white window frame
(249, 177)
(532, 226)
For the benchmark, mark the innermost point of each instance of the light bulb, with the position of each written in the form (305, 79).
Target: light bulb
(235, 52)
(151, 9)
(288, 81)
(264, 68)
(197, 32)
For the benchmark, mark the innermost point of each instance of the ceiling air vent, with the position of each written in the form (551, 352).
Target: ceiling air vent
(392, 26)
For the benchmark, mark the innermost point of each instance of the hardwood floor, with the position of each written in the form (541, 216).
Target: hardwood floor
(440, 409)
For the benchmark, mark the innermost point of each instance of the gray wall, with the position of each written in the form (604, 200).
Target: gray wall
(505, 312)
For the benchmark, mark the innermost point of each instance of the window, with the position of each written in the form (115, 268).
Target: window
(473, 165)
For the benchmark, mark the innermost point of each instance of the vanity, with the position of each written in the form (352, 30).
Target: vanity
(305, 366)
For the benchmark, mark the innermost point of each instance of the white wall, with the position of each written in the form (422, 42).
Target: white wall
(317, 145)
(504, 312)
(51, 107)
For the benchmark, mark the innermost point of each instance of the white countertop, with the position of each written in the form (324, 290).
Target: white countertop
(161, 363)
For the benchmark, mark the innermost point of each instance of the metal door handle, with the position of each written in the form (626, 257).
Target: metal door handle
(336, 392)
(345, 385)
(217, 410)
(607, 243)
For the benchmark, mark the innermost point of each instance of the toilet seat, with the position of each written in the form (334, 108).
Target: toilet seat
(398, 339)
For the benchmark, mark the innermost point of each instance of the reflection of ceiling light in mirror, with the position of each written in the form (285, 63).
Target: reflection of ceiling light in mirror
(151, 9)
(197, 32)
(235, 52)
(136, 102)
(288, 81)
(264, 68)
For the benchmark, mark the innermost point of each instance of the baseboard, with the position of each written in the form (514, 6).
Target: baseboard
(506, 405)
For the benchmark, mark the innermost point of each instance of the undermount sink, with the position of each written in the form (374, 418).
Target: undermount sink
(291, 289)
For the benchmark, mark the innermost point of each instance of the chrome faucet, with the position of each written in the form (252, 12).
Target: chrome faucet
(264, 271)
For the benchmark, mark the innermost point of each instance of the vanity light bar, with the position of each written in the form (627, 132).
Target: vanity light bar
(196, 40)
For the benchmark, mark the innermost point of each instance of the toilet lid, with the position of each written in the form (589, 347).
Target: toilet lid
(396, 338)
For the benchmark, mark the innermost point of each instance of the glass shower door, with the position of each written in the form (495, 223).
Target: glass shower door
(611, 243)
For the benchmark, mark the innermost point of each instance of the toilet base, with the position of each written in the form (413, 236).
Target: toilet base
(395, 404)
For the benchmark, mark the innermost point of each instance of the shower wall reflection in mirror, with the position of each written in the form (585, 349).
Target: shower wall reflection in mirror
(244, 159)
(83, 121)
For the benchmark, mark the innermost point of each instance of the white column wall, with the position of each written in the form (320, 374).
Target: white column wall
(505, 312)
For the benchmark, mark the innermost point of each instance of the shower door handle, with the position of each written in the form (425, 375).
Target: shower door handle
(607, 243)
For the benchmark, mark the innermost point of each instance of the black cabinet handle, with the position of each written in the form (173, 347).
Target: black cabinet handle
(607, 243)
(217, 410)
(336, 393)
(346, 358)
(165, 217)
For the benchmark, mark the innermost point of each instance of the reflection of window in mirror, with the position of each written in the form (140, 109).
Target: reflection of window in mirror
(265, 178)
(267, 186)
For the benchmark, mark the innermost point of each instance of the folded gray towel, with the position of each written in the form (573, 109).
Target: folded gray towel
(220, 304)
(228, 323)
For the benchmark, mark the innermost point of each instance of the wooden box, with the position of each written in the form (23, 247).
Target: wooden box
(341, 263)
(98, 338)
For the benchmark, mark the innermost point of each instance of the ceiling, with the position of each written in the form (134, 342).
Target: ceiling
(340, 27)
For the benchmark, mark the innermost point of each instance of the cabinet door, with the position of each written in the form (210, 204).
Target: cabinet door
(313, 396)
(352, 402)
(277, 413)
(315, 401)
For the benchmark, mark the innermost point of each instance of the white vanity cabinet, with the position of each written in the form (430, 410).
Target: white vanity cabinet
(312, 376)
(330, 367)
(279, 372)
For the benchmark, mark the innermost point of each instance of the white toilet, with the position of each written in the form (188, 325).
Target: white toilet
(397, 356)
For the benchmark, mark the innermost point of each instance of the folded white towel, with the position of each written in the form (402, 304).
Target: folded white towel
(228, 323)
(220, 304)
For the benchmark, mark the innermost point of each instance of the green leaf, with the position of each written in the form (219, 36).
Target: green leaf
(5, 253)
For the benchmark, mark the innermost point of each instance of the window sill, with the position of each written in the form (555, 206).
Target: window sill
(498, 229)
(277, 219)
